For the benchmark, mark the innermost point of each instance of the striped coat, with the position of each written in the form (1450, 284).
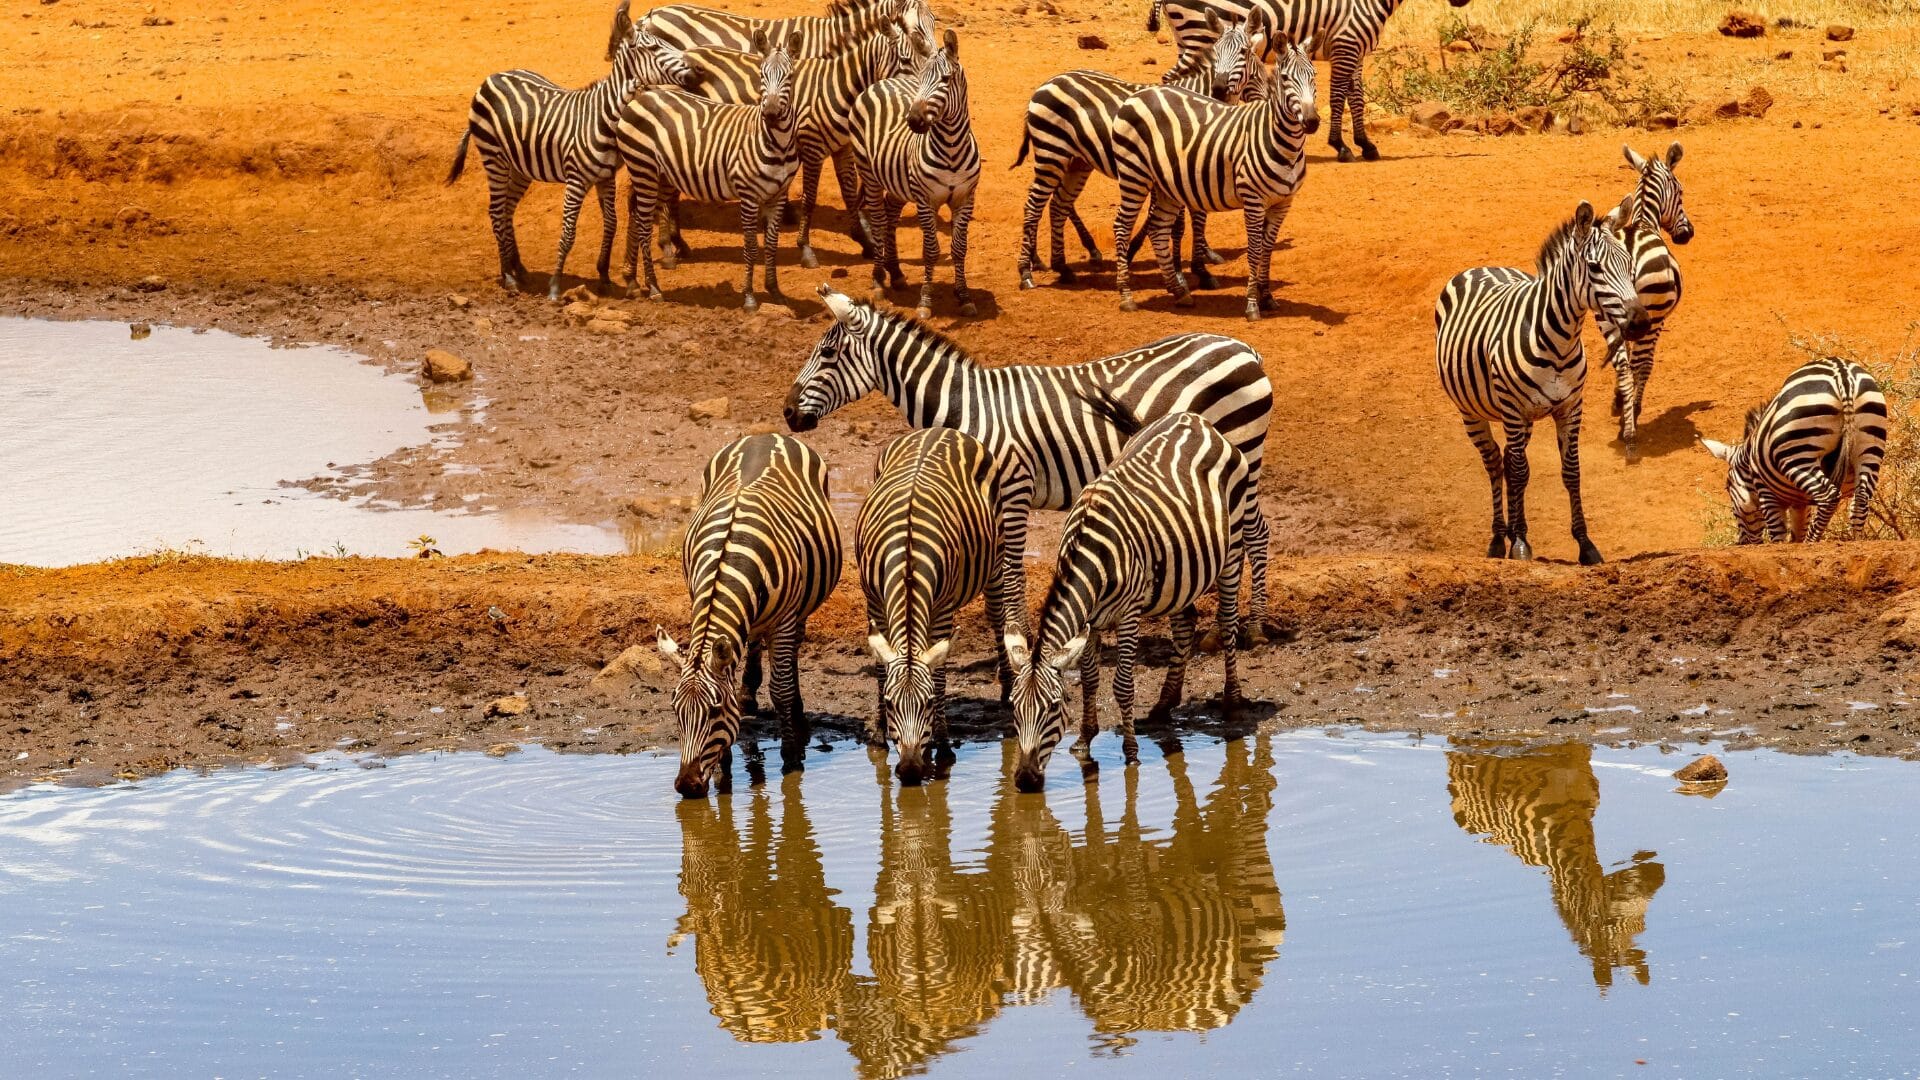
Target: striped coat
(762, 553)
(1507, 345)
(928, 540)
(1161, 527)
(1651, 208)
(1818, 442)
(1187, 152)
(1034, 415)
(691, 26)
(530, 129)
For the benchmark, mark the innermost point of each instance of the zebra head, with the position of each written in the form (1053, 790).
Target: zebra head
(917, 17)
(1230, 56)
(776, 75)
(942, 86)
(1660, 190)
(646, 60)
(843, 367)
(1740, 493)
(1039, 703)
(1603, 270)
(1294, 82)
(908, 690)
(706, 709)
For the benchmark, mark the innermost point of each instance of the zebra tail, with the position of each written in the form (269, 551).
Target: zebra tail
(460, 157)
(1026, 140)
(1153, 17)
(1104, 405)
(1843, 460)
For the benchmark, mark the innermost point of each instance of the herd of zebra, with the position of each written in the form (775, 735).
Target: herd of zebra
(1155, 452)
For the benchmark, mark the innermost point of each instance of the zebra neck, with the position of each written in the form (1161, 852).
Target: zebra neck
(778, 134)
(1646, 208)
(611, 92)
(952, 126)
(932, 382)
(1559, 304)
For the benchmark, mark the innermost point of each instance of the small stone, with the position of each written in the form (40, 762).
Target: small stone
(444, 367)
(640, 665)
(1431, 115)
(1534, 118)
(459, 301)
(156, 20)
(1838, 32)
(711, 409)
(1460, 45)
(502, 749)
(608, 326)
(150, 283)
(1838, 67)
(1705, 769)
(141, 331)
(576, 294)
(483, 325)
(511, 705)
(1757, 103)
(1662, 121)
(1834, 53)
(1092, 41)
(1501, 124)
(1743, 24)
(1783, 54)
(579, 311)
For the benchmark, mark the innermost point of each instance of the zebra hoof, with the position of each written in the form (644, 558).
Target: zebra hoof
(1498, 548)
(1204, 280)
(1096, 261)
(655, 294)
(1215, 258)
(1183, 300)
(1590, 555)
(1344, 153)
(1521, 551)
(553, 290)
(923, 312)
(1026, 282)
(969, 310)
(1129, 305)
(1065, 275)
(749, 303)
(1369, 151)
(1253, 313)
(808, 260)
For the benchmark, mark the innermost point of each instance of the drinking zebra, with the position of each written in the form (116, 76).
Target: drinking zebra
(1069, 129)
(1652, 207)
(1819, 440)
(529, 128)
(1161, 527)
(913, 140)
(1188, 152)
(762, 553)
(673, 142)
(690, 26)
(928, 539)
(1507, 344)
(1033, 414)
(1344, 31)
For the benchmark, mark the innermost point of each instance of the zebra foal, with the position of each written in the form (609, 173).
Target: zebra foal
(1652, 207)
(913, 141)
(762, 553)
(1820, 440)
(1507, 345)
(928, 540)
(529, 128)
(1161, 527)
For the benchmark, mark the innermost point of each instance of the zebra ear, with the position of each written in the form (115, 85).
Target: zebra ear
(1582, 218)
(760, 42)
(1718, 449)
(951, 41)
(621, 25)
(1067, 654)
(838, 303)
(793, 44)
(668, 647)
(1018, 657)
(936, 653)
(1633, 158)
(883, 649)
(1673, 155)
(1213, 21)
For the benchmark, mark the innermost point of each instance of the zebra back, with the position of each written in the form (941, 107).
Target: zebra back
(926, 537)
(1826, 429)
(1353, 25)
(690, 26)
(711, 151)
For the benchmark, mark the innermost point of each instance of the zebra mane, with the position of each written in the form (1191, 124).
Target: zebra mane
(1189, 61)
(907, 324)
(1753, 422)
(1557, 244)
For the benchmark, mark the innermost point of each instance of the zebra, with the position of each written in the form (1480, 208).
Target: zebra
(673, 143)
(1652, 207)
(1507, 346)
(1345, 32)
(1032, 415)
(913, 142)
(928, 540)
(529, 128)
(1164, 524)
(1069, 129)
(1186, 151)
(762, 553)
(1819, 440)
(690, 26)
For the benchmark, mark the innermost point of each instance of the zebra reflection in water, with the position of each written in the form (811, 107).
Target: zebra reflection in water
(1539, 802)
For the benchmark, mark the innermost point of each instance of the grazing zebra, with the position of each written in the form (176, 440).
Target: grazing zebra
(1818, 441)
(1345, 32)
(675, 143)
(1163, 525)
(529, 128)
(928, 540)
(1070, 132)
(1652, 207)
(913, 140)
(1507, 344)
(690, 26)
(762, 553)
(1188, 152)
(1033, 415)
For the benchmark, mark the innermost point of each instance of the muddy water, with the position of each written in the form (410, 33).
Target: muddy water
(111, 446)
(1297, 904)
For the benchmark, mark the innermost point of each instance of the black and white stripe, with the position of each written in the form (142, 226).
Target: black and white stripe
(1186, 152)
(1507, 344)
(1344, 31)
(529, 128)
(929, 540)
(1034, 414)
(1164, 525)
(762, 552)
(1653, 207)
(913, 140)
(675, 143)
(690, 26)
(1820, 440)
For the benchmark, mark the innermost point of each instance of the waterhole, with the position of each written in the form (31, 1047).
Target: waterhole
(1294, 904)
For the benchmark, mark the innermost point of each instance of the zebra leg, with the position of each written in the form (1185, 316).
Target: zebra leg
(786, 695)
(847, 175)
(943, 755)
(1077, 183)
(505, 190)
(1089, 706)
(896, 278)
(811, 160)
(1162, 217)
(1340, 86)
(723, 772)
(1227, 622)
(1481, 433)
(880, 227)
(673, 246)
(750, 679)
(1519, 433)
(1174, 685)
(962, 226)
(1643, 369)
(995, 594)
(1566, 429)
(1257, 258)
(609, 227)
(1773, 518)
(1357, 101)
(750, 248)
(1623, 390)
(929, 254)
(1126, 653)
(1866, 477)
(643, 196)
(771, 215)
(1204, 256)
(569, 219)
(1259, 540)
(1040, 198)
(1133, 194)
(1823, 493)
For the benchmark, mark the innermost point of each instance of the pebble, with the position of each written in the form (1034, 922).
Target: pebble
(1705, 769)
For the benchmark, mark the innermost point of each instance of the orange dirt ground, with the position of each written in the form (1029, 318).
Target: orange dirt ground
(279, 165)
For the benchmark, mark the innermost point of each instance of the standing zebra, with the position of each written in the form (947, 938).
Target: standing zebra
(1070, 131)
(1652, 207)
(529, 128)
(913, 140)
(1162, 526)
(1818, 441)
(673, 142)
(1345, 30)
(928, 539)
(690, 26)
(762, 553)
(1188, 152)
(1033, 414)
(1508, 347)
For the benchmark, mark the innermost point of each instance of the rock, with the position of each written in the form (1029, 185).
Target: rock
(1431, 115)
(156, 20)
(502, 749)
(1833, 53)
(1743, 24)
(1092, 41)
(444, 367)
(608, 327)
(132, 217)
(140, 331)
(639, 666)
(1665, 121)
(1705, 769)
(1460, 45)
(577, 294)
(711, 409)
(1783, 54)
(1837, 32)
(1756, 103)
(1838, 67)
(150, 283)
(1534, 118)
(511, 705)
(579, 312)
(458, 301)
(1501, 124)
(483, 325)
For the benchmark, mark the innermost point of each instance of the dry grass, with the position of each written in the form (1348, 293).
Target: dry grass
(1420, 23)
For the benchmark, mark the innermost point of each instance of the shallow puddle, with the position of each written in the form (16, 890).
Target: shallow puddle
(111, 446)
(1296, 904)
